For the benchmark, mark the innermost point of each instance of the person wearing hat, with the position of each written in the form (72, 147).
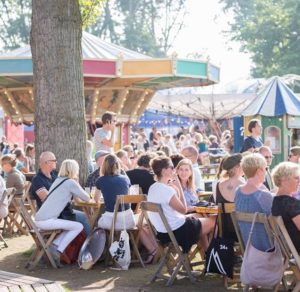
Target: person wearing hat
(231, 177)
(99, 158)
(294, 154)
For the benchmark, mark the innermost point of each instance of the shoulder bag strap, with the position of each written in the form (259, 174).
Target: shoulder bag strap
(251, 230)
(55, 188)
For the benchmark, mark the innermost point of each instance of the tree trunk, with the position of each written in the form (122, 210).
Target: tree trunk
(58, 82)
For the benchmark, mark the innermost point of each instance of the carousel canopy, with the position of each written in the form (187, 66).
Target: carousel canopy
(275, 99)
(115, 79)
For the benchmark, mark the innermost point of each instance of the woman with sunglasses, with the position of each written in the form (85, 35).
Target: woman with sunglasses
(168, 193)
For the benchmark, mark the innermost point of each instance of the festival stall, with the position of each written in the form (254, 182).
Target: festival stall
(278, 108)
(115, 79)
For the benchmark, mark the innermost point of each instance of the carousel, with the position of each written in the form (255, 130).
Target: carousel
(115, 79)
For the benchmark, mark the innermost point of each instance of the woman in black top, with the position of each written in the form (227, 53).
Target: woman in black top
(286, 176)
(231, 178)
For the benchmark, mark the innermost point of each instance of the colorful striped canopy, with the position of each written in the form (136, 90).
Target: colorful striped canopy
(275, 99)
(115, 79)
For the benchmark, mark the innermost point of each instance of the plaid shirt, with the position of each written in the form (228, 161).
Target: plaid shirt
(91, 180)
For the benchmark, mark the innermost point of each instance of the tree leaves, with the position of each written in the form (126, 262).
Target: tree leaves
(269, 29)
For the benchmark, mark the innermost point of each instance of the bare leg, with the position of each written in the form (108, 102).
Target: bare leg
(147, 239)
(207, 226)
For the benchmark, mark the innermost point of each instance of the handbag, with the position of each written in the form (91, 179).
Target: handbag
(220, 255)
(261, 268)
(120, 250)
(68, 213)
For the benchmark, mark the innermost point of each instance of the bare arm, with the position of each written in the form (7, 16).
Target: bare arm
(42, 193)
(177, 205)
(109, 142)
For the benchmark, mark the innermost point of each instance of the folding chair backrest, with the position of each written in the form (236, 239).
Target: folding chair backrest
(4, 196)
(10, 193)
(248, 217)
(126, 199)
(156, 208)
(27, 198)
(284, 239)
(26, 190)
(224, 208)
(18, 202)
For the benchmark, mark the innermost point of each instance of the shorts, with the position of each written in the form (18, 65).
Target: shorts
(186, 235)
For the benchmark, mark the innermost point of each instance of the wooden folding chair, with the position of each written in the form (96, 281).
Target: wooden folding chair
(42, 238)
(3, 243)
(134, 232)
(13, 222)
(248, 218)
(170, 249)
(291, 256)
(29, 203)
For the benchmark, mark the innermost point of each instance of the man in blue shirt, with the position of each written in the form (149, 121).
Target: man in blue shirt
(254, 140)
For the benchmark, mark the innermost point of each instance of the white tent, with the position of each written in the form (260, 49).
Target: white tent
(213, 102)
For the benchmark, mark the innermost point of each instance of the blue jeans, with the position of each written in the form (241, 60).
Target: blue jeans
(81, 217)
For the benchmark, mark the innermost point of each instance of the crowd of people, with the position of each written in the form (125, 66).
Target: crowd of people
(167, 170)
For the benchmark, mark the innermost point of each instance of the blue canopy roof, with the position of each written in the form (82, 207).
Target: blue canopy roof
(275, 99)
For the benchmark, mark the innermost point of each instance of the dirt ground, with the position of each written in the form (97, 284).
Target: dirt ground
(15, 257)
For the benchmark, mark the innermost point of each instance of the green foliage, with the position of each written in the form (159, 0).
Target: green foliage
(270, 31)
(14, 23)
(146, 26)
(90, 10)
(15, 20)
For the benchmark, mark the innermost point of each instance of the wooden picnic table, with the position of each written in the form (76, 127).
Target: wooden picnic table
(213, 210)
(17, 282)
(91, 209)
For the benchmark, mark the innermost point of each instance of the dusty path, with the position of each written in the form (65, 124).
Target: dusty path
(14, 258)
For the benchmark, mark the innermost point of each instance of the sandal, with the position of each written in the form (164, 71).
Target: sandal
(150, 257)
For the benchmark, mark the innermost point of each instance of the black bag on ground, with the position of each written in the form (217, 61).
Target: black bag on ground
(220, 256)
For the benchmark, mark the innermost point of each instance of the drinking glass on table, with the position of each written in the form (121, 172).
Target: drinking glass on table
(134, 190)
(93, 192)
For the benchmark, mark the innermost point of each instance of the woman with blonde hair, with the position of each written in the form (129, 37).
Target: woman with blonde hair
(13, 177)
(253, 197)
(286, 176)
(64, 188)
(185, 175)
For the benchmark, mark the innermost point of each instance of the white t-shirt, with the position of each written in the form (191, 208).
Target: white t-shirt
(99, 135)
(161, 194)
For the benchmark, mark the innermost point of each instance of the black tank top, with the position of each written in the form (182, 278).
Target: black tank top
(227, 225)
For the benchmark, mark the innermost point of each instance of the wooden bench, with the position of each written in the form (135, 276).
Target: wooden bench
(17, 282)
